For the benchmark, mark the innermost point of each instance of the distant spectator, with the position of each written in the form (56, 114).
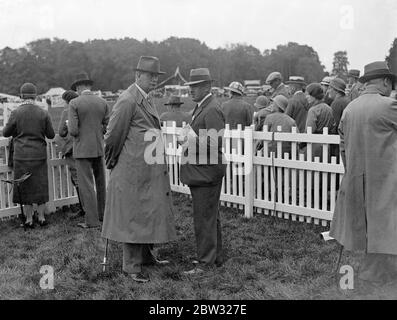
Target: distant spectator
(175, 114)
(354, 87)
(275, 80)
(236, 110)
(325, 85)
(336, 92)
(261, 103)
(298, 106)
(30, 126)
(67, 145)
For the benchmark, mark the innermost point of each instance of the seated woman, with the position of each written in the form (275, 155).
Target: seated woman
(29, 125)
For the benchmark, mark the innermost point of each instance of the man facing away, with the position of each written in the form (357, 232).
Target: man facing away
(236, 110)
(365, 216)
(88, 117)
(138, 210)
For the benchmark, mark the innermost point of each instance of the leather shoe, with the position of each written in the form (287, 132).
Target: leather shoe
(43, 223)
(139, 277)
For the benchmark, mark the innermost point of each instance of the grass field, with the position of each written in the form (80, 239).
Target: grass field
(267, 258)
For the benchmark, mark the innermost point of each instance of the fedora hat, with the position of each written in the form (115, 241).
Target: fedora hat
(297, 80)
(199, 75)
(174, 100)
(236, 87)
(375, 70)
(149, 64)
(280, 101)
(354, 73)
(28, 90)
(81, 78)
(338, 85)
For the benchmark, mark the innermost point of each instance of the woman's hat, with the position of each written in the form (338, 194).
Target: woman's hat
(280, 101)
(69, 95)
(315, 90)
(149, 64)
(199, 75)
(236, 87)
(262, 102)
(28, 90)
(375, 70)
(174, 100)
(81, 78)
(338, 84)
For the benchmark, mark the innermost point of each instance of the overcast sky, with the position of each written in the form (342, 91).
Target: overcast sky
(365, 29)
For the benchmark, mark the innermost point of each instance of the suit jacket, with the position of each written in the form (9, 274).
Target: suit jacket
(281, 90)
(237, 111)
(297, 109)
(88, 118)
(30, 126)
(365, 216)
(138, 200)
(208, 116)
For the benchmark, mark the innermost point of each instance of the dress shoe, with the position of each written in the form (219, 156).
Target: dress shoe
(29, 225)
(140, 277)
(194, 271)
(43, 223)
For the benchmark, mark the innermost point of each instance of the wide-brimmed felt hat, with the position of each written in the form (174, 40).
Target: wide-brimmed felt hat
(149, 64)
(273, 76)
(81, 78)
(199, 75)
(338, 85)
(375, 70)
(296, 80)
(354, 73)
(280, 101)
(28, 90)
(174, 100)
(236, 87)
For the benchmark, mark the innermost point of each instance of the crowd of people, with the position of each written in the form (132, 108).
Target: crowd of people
(136, 209)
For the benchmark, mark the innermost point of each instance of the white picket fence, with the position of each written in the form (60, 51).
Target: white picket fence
(294, 187)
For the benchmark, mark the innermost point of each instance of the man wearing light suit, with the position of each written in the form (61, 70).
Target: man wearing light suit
(88, 118)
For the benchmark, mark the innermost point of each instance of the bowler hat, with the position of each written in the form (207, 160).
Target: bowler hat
(338, 84)
(354, 73)
(375, 70)
(28, 90)
(274, 76)
(297, 80)
(280, 101)
(199, 75)
(236, 87)
(81, 78)
(174, 100)
(149, 64)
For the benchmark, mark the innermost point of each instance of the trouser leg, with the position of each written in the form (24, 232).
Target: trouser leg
(40, 211)
(135, 255)
(86, 185)
(207, 224)
(100, 184)
(28, 211)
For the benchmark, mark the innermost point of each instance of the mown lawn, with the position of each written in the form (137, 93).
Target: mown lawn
(267, 258)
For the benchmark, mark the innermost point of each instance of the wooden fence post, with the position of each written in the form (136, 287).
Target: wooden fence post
(50, 204)
(249, 172)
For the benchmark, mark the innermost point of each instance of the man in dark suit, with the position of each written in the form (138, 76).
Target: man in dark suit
(297, 106)
(88, 118)
(205, 171)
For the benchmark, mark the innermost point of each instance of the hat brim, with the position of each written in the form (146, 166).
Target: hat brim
(365, 78)
(296, 82)
(337, 89)
(142, 70)
(234, 90)
(192, 83)
(76, 83)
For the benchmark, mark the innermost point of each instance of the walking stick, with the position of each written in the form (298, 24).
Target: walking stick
(17, 183)
(105, 257)
(339, 259)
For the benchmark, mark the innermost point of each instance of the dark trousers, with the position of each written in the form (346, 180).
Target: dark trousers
(135, 255)
(93, 199)
(207, 225)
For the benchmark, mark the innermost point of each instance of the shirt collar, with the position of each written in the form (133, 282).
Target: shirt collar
(85, 91)
(298, 92)
(205, 98)
(145, 95)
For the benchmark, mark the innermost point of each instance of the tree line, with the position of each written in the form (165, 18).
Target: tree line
(55, 62)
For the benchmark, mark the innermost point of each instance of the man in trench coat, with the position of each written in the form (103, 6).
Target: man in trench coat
(138, 211)
(365, 217)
